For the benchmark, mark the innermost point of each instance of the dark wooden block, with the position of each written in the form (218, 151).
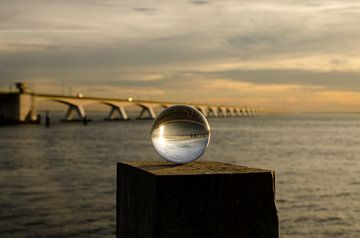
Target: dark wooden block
(200, 199)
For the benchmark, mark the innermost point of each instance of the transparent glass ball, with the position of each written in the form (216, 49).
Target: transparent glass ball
(180, 134)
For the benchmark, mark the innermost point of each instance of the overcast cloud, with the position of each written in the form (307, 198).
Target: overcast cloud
(244, 52)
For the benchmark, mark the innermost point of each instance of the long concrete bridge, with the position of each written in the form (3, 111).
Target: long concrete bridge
(22, 107)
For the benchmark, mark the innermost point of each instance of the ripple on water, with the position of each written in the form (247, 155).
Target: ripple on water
(60, 181)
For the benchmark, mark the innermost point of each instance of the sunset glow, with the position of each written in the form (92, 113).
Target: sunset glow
(283, 55)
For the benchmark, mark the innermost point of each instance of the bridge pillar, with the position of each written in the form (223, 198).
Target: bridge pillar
(250, 112)
(229, 111)
(27, 108)
(245, 111)
(120, 110)
(241, 112)
(75, 110)
(203, 110)
(18, 107)
(213, 111)
(146, 110)
(236, 112)
(222, 111)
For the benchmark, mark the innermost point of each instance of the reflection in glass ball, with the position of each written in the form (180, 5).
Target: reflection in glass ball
(180, 134)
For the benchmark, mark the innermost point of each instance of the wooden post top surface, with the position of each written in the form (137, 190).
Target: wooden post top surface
(194, 168)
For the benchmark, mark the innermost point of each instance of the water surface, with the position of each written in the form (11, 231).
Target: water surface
(60, 181)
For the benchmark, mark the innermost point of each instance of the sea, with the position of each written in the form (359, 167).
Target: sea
(61, 181)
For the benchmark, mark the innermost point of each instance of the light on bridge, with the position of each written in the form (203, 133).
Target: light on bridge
(130, 99)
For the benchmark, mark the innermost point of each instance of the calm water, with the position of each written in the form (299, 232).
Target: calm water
(60, 181)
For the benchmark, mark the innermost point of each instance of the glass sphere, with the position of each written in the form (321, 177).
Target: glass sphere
(180, 134)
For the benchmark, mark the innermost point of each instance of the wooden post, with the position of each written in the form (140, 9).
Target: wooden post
(200, 199)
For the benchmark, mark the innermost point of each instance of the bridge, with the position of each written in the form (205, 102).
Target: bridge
(22, 107)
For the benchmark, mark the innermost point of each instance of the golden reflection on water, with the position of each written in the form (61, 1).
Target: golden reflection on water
(48, 178)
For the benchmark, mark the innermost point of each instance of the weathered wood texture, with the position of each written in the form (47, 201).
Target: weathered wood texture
(200, 199)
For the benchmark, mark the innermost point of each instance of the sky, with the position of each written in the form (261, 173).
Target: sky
(279, 54)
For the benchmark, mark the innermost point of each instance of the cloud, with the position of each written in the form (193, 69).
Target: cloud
(145, 9)
(349, 80)
(271, 48)
(199, 2)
